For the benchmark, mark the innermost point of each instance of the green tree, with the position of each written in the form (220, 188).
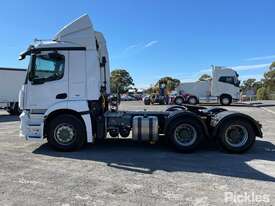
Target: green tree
(170, 83)
(205, 77)
(262, 93)
(152, 89)
(269, 80)
(251, 84)
(120, 81)
(272, 66)
(267, 86)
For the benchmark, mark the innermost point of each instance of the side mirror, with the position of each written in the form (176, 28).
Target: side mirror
(103, 62)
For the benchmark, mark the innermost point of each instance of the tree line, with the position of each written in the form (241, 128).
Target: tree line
(264, 89)
(121, 81)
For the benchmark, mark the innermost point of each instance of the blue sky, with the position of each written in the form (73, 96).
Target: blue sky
(154, 38)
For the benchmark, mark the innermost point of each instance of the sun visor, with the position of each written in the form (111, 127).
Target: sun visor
(79, 32)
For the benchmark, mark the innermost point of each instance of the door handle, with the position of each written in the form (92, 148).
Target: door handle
(61, 96)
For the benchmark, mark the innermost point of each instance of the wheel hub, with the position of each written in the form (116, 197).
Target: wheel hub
(64, 134)
(192, 100)
(236, 135)
(185, 134)
(179, 101)
(225, 101)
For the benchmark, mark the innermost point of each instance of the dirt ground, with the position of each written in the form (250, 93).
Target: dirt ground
(121, 172)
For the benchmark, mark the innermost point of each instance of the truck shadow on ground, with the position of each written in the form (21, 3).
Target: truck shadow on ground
(144, 158)
(8, 118)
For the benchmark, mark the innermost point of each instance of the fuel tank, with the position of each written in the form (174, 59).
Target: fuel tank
(145, 128)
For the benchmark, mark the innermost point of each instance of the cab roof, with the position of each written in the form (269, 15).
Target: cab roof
(77, 35)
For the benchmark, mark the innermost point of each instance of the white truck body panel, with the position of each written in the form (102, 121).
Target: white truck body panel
(211, 90)
(35, 101)
(199, 89)
(11, 81)
(80, 32)
(80, 77)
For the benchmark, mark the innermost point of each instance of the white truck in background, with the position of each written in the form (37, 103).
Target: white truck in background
(223, 88)
(66, 99)
(11, 80)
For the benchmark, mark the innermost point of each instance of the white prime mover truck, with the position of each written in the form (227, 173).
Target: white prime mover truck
(11, 80)
(66, 99)
(223, 88)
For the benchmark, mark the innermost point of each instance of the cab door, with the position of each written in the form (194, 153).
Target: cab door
(47, 80)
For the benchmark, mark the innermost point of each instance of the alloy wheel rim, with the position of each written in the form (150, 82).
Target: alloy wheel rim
(185, 134)
(225, 101)
(192, 100)
(179, 101)
(64, 134)
(236, 135)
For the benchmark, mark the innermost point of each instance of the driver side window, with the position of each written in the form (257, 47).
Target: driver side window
(227, 79)
(48, 67)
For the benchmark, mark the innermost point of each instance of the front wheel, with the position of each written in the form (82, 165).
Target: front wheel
(236, 136)
(185, 134)
(225, 100)
(66, 133)
(14, 109)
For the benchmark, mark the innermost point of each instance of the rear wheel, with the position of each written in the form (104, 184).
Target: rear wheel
(192, 100)
(66, 133)
(185, 135)
(162, 101)
(179, 100)
(236, 136)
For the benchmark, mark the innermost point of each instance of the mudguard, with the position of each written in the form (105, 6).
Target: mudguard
(220, 118)
(186, 114)
(80, 107)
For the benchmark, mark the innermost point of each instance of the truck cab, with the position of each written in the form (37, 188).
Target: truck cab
(225, 85)
(63, 74)
(223, 88)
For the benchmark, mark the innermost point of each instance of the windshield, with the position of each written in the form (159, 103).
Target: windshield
(48, 67)
(230, 80)
(237, 82)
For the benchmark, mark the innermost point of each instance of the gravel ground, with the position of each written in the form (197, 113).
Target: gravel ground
(127, 173)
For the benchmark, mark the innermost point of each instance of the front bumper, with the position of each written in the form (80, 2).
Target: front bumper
(31, 126)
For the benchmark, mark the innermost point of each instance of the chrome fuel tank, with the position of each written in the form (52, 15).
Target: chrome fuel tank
(145, 128)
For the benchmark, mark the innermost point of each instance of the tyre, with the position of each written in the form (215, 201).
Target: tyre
(14, 109)
(162, 101)
(147, 101)
(12, 112)
(185, 135)
(236, 136)
(66, 133)
(192, 100)
(179, 100)
(225, 100)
